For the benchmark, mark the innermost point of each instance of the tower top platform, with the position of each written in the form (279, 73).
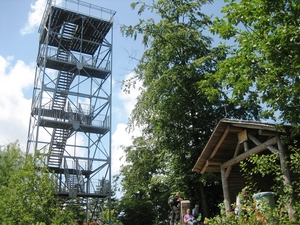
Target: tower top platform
(76, 25)
(79, 7)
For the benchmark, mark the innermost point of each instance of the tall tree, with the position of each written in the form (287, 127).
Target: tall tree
(178, 118)
(263, 66)
(143, 179)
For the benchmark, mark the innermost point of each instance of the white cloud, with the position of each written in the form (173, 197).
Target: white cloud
(121, 138)
(34, 17)
(14, 107)
(129, 100)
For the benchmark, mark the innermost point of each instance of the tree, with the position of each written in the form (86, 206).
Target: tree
(27, 193)
(103, 208)
(136, 211)
(263, 66)
(143, 179)
(178, 118)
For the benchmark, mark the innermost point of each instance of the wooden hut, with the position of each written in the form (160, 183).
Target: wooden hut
(235, 140)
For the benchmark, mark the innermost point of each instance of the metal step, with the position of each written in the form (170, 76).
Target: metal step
(63, 84)
(57, 147)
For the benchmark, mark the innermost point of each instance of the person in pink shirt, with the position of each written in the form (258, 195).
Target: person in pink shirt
(188, 217)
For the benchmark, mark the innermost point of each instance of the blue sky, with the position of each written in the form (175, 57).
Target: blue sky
(19, 22)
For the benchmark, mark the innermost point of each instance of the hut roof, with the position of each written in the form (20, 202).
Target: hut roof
(226, 142)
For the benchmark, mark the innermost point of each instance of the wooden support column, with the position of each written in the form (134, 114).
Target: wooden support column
(286, 178)
(225, 191)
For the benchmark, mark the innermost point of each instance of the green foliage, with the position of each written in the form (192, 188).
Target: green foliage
(75, 206)
(27, 193)
(143, 178)
(176, 116)
(253, 216)
(263, 65)
(104, 208)
(136, 211)
(269, 165)
(105, 216)
(265, 164)
(295, 158)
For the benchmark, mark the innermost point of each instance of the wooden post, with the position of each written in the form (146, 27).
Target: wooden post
(184, 205)
(286, 177)
(225, 192)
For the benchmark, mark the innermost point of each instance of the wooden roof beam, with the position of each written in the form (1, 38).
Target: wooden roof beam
(208, 163)
(213, 162)
(215, 149)
(257, 142)
(268, 133)
(248, 153)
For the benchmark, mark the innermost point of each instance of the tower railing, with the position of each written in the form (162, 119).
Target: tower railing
(74, 57)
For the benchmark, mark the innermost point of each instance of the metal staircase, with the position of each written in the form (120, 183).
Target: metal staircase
(73, 181)
(57, 147)
(64, 80)
(63, 83)
(66, 41)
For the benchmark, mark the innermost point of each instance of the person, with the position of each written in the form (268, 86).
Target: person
(188, 217)
(175, 214)
(240, 202)
(196, 214)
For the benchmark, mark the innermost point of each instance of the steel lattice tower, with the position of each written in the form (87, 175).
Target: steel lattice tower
(71, 104)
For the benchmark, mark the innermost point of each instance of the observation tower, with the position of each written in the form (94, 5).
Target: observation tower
(70, 120)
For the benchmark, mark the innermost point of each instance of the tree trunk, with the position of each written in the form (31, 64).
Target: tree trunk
(204, 204)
